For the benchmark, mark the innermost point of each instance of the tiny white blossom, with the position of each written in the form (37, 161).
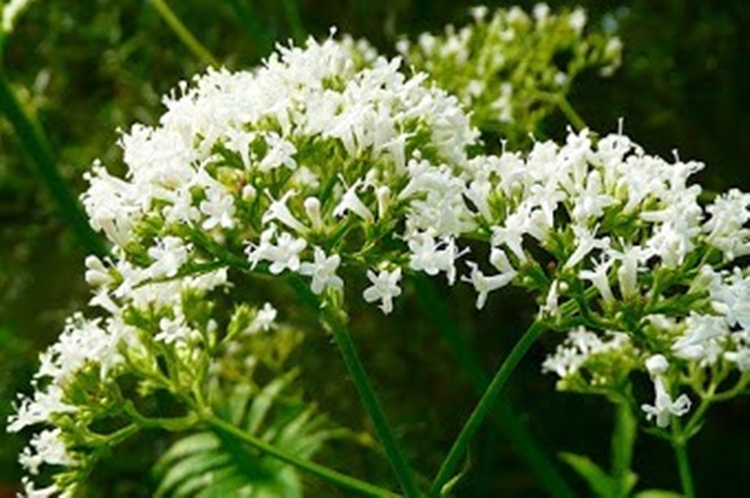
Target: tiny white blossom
(176, 331)
(264, 319)
(46, 447)
(384, 288)
(323, 271)
(169, 254)
(484, 284)
(218, 207)
(31, 491)
(282, 255)
(432, 257)
(599, 277)
(278, 210)
(286, 253)
(664, 407)
(351, 202)
(586, 242)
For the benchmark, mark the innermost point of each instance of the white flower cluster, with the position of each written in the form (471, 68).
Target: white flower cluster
(287, 165)
(581, 347)
(90, 354)
(319, 163)
(505, 65)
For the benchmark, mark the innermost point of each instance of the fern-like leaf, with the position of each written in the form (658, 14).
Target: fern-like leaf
(213, 465)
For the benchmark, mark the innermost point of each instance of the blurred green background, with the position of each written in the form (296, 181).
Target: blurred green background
(85, 69)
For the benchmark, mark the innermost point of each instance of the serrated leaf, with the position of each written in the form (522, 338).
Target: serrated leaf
(194, 465)
(195, 484)
(265, 399)
(208, 464)
(194, 443)
(598, 480)
(238, 402)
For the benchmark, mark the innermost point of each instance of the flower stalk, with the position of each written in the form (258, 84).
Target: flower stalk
(484, 406)
(334, 321)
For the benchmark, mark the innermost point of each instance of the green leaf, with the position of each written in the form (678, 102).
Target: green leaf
(598, 480)
(209, 464)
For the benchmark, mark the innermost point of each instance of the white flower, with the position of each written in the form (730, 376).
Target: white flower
(323, 271)
(351, 202)
(484, 284)
(627, 273)
(599, 276)
(657, 365)
(39, 409)
(278, 210)
(551, 305)
(699, 339)
(169, 254)
(591, 201)
(384, 288)
(580, 345)
(586, 242)
(732, 299)
(176, 331)
(97, 274)
(264, 319)
(312, 208)
(218, 207)
(432, 257)
(511, 235)
(726, 228)
(282, 255)
(280, 153)
(664, 407)
(31, 491)
(286, 253)
(46, 447)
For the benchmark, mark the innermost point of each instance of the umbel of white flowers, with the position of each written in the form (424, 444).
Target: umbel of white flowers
(328, 162)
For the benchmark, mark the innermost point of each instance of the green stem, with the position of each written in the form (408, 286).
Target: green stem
(484, 406)
(684, 465)
(40, 152)
(563, 104)
(185, 36)
(330, 475)
(575, 119)
(513, 428)
(334, 320)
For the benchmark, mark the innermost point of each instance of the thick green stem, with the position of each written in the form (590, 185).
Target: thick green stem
(513, 428)
(325, 473)
(335, 321)
(485, 404)
(39, 151)
(184, 34)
